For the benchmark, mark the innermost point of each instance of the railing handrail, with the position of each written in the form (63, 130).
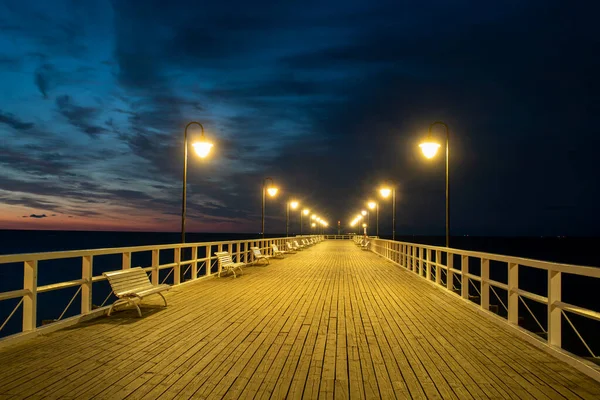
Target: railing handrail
(53, 255)
(592, 272)
(179, 268)
(427, 262)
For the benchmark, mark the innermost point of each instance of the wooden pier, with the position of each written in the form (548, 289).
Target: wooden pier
(329, 322)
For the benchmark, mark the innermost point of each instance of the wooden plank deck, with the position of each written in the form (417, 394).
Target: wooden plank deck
(329, 322)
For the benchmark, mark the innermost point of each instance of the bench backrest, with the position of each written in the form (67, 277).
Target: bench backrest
(224, 257)
(296, 243)
(256, 251)
(275, 248)
(289, 245)
(127, 279)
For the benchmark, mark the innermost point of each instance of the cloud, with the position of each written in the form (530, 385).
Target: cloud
(44, 78)
(38, 216)
(14, 122)
(79, 116)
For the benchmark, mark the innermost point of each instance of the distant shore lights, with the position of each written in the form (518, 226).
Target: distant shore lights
(202, 148)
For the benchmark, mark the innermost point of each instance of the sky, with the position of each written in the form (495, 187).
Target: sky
(330, 99)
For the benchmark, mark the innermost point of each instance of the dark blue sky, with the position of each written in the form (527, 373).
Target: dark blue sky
(328, 98)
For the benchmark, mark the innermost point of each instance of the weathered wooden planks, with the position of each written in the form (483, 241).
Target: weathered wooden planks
(329, 322)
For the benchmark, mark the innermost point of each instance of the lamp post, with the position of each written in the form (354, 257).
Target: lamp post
(304, 212)
(373, 205)
(272, 191)
(385, 193)
(429, 149)
(202, 148)
(363, 212)
(294, 205)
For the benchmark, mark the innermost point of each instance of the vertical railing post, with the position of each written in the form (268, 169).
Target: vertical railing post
(419, 262)
(450, 273)
(86, 286)
(400, 254)
(238, 246)
(485, 284)
(30, 271)
(208, 262)
(195, 263)
(513, 295)
(155, 270)
(219, 249)
(177, 267)
(554, 312)
(126, 260)
(429, 266)
(438, 269)
(246, 252)
(464, 286)
(413, 260)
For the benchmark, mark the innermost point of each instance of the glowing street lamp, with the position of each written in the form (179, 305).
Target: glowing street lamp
(294, 204)
(429, 149)
(385, 192)
(363, 212)
(202, 148)
(304, 212)
(271, 189)
(374, 205)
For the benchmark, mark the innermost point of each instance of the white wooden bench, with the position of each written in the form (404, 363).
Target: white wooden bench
(132, 284)
(226, 263)
(276, 252)
(291, 249)
(259, 256)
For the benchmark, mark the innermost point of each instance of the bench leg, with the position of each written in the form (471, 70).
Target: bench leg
(138, 309)
(119, 301)
(165, 300)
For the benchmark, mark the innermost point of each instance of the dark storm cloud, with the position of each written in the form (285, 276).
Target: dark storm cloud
(79, 116)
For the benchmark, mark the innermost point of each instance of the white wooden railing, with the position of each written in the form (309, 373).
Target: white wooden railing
(436, 264)
(344, 237)
(179, 271)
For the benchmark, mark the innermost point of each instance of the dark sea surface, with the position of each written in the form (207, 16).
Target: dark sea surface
(568, 250)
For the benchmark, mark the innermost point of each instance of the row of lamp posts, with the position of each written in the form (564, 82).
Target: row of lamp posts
(202, 148)
(429, 148)
(272, 190)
